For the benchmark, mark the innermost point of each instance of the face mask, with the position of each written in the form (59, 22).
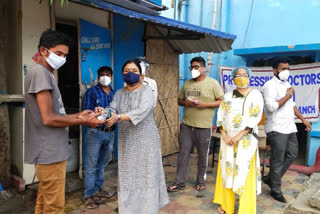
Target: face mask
(241, 82)
(195, 73)
(131, 78)
(284, 75)
(55, 61)
(105, 80)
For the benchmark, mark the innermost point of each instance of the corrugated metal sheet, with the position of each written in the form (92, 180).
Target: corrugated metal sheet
(207, 40)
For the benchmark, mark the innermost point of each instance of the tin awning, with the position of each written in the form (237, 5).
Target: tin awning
(183, 37)
(276, 50)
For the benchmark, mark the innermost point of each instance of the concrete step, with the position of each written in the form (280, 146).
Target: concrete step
(315, 200)
(301, 205)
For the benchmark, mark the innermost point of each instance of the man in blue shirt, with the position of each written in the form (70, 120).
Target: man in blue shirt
(98, 141)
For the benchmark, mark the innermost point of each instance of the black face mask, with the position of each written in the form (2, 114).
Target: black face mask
(131, 78)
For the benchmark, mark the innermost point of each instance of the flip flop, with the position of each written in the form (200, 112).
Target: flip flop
(104, 194)
(176, 187)
(89, 203)
(97, 199)
(200, 187)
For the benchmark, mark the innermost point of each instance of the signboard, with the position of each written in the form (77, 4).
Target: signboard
(95, 44)
(304, 78)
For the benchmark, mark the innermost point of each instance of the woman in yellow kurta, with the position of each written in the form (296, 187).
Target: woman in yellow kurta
(239, 167)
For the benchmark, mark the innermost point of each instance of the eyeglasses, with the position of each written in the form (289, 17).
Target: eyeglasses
(196, 67)
(244, 75)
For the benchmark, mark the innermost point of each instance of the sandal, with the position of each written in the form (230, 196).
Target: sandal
(97, 199)
(89, 203)
(200, 187)
(221, 211)
(104, 194)
(176, 187)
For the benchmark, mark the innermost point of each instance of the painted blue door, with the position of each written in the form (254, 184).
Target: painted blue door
(95, 51)
(128, 44)
(95, 43)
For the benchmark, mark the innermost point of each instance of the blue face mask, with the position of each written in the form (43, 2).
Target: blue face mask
(131, 78)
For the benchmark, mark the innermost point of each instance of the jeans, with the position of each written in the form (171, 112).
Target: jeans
(98, 150)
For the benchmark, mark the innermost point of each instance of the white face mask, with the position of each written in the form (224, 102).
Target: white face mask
(55, 61)
(195, 73)
(105, 80)
(284, 75)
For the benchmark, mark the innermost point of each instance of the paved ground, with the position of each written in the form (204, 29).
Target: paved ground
(188, 201)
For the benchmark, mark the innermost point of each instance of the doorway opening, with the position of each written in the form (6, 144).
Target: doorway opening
(68, 77)
(68, 83)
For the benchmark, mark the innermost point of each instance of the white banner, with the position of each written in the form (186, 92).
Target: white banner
(304, 78)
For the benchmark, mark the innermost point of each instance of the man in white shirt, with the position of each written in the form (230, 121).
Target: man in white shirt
(280, 111)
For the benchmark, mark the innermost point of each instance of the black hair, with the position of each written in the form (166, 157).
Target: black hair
(50, 39)
(198, 59)
(105, 68)
(136, 62)
(279, 60)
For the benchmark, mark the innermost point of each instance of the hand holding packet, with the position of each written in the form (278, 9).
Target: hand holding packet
(102, 117)
(105, 115)
(195, 101)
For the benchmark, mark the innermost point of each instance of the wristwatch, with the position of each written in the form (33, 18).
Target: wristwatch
(118, 118)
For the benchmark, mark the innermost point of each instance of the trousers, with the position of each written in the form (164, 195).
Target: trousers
(284, 150)
(51, 190)
(189, 136)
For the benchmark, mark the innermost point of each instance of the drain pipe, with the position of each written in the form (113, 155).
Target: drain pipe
(213, 27)
(181, 16)
(304, 169)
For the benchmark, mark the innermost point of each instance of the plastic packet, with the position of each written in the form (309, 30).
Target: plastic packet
(105, 116)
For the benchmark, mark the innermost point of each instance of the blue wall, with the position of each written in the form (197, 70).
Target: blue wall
(256, 23)
(128, 44)
(276, 22)
(272, 23)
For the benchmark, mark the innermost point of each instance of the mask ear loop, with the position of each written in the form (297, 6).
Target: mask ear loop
(47, 50)
(278, 75)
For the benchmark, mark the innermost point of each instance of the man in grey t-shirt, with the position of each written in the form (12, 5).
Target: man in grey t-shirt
(46, 135)
(44, 144)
